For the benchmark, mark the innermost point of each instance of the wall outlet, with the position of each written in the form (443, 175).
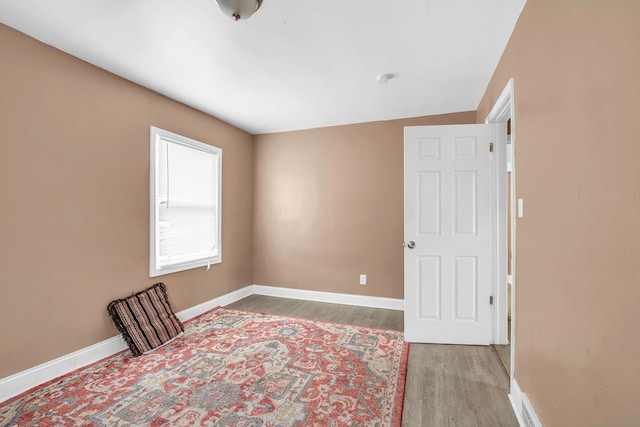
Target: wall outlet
(363, 279)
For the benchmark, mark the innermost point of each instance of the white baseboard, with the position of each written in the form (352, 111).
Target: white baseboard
(15, 384)
(18, 383)
(522, 407)
(515, 397)
(332, 297)
(222, 300)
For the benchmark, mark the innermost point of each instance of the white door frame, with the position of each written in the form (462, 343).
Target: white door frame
(499, 230)
(502, 111)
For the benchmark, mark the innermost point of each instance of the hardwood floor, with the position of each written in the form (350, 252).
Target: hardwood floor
(504, 353)
(447, 385)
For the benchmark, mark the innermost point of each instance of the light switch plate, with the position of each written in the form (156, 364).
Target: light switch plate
(520, 208)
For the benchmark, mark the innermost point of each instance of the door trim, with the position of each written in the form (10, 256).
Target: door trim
(502, 111)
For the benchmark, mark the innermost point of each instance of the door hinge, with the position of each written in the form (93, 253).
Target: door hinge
(491, 300)
(491, 147)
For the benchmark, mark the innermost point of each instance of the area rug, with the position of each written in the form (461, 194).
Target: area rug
(233, 368)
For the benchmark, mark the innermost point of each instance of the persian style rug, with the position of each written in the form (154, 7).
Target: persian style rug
(233, 368)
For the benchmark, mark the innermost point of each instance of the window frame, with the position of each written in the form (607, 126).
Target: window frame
(155, 135)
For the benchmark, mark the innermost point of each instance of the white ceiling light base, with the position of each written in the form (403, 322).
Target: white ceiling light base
(383, 79)
(239, 9)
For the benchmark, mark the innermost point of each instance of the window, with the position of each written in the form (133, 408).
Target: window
(185, 203)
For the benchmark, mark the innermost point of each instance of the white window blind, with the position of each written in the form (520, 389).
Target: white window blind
(185, 203)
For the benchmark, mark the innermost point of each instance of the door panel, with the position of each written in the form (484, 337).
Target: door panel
(448, 216)
(429, 197)
(465, 287)
(429, 289)
(464, 199)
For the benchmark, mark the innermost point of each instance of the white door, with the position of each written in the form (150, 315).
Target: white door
(448, 234)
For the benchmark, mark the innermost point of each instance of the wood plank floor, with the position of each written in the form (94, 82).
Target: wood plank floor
(447, 385)
(504, 353)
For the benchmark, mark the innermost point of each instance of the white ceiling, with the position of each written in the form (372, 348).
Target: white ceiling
(295, 64)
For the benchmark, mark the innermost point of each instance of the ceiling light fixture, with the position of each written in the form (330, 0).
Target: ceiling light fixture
(239, 9)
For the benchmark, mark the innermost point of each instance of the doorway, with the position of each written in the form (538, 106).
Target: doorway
(504, 349)
(423, 279)
(503, 113)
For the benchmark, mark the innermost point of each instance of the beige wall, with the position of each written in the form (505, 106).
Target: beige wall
(329, 206)
(74, 178)
(576, 67)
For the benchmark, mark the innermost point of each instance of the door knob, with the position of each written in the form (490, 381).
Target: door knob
(411, 244)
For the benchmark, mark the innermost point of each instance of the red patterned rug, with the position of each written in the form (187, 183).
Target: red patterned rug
(233, 368)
